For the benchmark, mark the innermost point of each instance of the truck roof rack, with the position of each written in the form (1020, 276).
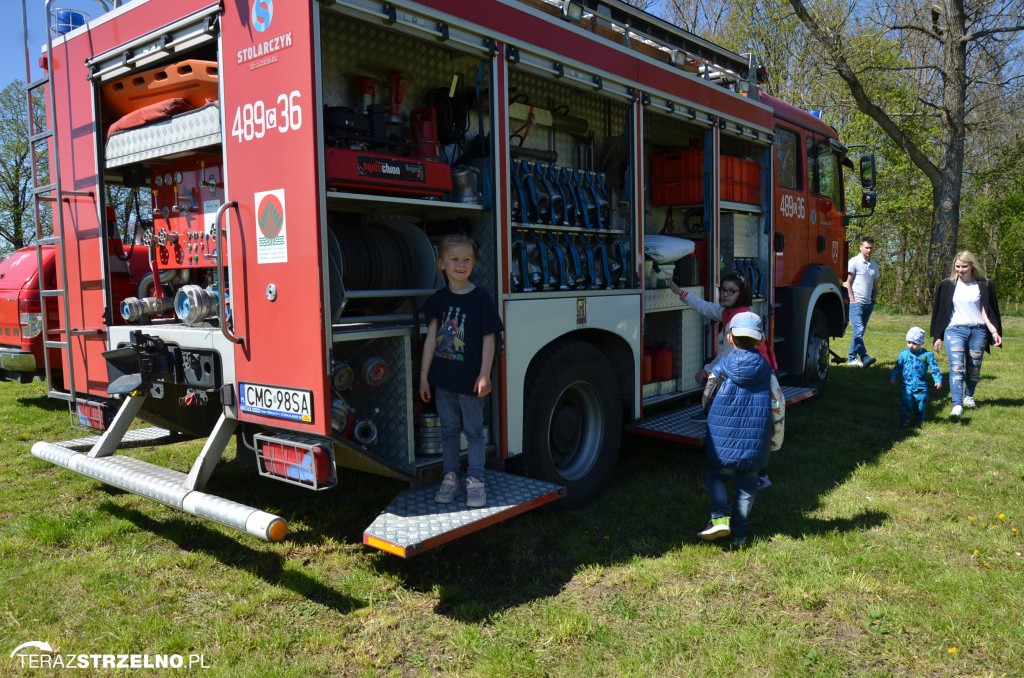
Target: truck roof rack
(633, 27)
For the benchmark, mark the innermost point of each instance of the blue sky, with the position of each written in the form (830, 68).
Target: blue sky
(12, 43)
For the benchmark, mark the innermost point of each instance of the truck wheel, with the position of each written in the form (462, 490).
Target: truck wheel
(573, 421)
(816, 360)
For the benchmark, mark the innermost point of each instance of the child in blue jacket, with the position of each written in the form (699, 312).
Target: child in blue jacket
(912, 368)
(745, 409)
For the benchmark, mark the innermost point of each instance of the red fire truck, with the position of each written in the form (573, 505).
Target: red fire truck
(302, 160)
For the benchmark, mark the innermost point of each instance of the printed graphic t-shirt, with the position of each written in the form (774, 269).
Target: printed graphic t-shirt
(463, 320)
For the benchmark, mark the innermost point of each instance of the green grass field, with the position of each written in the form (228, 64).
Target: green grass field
(878, 551)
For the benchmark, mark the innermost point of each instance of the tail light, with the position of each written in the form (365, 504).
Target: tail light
(31, 318)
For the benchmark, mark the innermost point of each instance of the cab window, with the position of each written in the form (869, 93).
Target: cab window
(824, 172)
(787, 159)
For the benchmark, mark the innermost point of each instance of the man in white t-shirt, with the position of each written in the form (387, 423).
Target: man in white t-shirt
(862, 286)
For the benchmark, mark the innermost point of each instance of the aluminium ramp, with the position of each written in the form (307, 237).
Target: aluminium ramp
(414, 522)
(681, 426)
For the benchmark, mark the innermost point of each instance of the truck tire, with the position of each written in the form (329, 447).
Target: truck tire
(572, 423)
(816, 359)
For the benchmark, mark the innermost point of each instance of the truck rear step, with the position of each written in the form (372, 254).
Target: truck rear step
(680, 425)
(178, 490)
(414, 522)
(165, 486)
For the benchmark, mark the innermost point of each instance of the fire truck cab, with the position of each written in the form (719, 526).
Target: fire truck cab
(301, 161)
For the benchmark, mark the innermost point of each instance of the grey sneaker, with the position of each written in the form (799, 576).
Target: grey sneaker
(854, 363)
(869, 361)
(449, 486)
(969, 402)
(476, 495)
(716, 529)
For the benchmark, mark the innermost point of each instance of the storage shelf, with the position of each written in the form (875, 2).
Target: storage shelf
(569, 229)
(724, 206)
(436, 210)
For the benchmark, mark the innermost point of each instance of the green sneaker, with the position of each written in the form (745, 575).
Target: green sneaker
(716, 529)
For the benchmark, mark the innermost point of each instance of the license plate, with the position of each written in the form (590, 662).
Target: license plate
(293, 404)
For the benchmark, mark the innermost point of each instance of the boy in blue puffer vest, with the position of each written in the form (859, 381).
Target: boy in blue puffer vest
(746, 410)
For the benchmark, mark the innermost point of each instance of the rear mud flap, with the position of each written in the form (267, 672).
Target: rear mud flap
(414, 522)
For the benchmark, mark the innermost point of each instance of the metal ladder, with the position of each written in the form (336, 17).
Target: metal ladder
(53, 194)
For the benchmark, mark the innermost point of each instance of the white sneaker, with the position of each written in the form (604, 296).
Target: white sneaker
(956, 411)
(969, 402)
(854, 363)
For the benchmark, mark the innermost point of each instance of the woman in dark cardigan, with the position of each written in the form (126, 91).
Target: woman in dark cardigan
(965, 315)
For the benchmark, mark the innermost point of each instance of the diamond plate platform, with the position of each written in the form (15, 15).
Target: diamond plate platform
(679, 425)
(140, 437)
(414, 522)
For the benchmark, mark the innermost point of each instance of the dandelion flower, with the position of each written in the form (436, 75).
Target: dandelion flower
(976, 551)
(952, 650)
(1015, 529)
(1001, 516)
(970, 517)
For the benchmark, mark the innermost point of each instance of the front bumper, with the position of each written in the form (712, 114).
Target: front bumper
(14, 360)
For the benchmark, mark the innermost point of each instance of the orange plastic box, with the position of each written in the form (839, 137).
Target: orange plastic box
(677, 177)
(193, 80)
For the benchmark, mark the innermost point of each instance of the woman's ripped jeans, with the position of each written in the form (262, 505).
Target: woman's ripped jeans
(965, 347)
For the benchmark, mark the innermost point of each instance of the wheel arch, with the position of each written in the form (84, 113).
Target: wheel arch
(618, 351)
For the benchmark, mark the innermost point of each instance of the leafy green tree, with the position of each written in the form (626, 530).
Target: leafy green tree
(17, 227)
(957, 54)
(993, 229)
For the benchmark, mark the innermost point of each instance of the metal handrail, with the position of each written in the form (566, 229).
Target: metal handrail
(222, 312)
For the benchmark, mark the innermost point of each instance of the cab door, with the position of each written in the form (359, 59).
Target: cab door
(791, 213)
(825, 178)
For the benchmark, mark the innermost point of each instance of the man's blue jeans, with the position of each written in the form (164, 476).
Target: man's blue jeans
(859, 314)
(461, 413)
(745, 483)
(965, 347)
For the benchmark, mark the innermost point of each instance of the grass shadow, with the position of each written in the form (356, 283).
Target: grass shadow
(43, 403)
(231, 552)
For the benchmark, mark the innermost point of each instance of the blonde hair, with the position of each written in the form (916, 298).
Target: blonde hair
(455, 240)
(967, 258)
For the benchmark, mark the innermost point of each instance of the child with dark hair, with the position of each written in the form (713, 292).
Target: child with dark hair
(736, 297)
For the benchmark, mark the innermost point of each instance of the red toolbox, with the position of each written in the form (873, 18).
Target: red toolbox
(368, 172)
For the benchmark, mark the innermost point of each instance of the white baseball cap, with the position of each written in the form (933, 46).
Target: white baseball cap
(746, 324)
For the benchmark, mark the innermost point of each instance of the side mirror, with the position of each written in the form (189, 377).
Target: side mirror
(867, 171)
(868, 200)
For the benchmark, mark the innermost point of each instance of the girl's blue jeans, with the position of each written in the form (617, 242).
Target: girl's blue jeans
(745, 484)
(461, 413)
(965, 347)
